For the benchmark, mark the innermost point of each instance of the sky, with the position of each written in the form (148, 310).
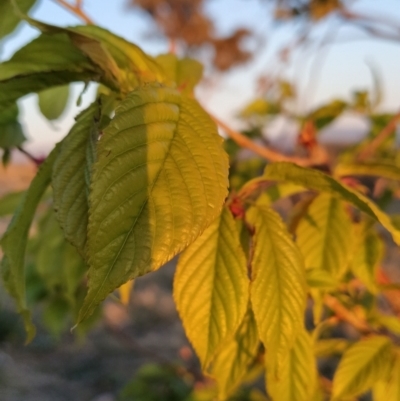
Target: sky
(320, 72)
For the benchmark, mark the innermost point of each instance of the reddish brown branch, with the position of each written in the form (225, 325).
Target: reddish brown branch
(372, 146)
(263, 151)
(346, 315)
(392, 295)
(76, 9)
(34, 159)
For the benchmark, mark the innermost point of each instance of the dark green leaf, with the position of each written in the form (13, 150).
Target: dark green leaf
(15, 240)
(13, 89)
(71, 177)
(46, 53)
(8, 18)
(11, 134)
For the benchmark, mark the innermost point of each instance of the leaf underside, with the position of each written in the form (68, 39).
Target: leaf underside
(69, 179)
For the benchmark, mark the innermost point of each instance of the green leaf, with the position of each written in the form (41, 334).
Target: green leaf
(11, 134)
(9, 203)
(368, 253)
(326, 114)
(369, 169)
(159, 180)
(214, 268)
(331, 346)
(278, 288)
(69, 178)
(9, 115)
(259, 107)
(296, 380)
(46, 53)
(123, 65)
(55, 315)
(389, 388)
(320, 279)
(6, 157)
(57, 262)
(234, 359)
(269, 193)
(52, 101)
(135, 66)
(319, 181)
(184, 73)
(365, 363)
(12, 89)
(8, 19)
(324, 235)
(15, 240)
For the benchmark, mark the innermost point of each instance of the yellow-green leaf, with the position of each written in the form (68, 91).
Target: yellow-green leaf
(324, 115)
(130, 65)
(184, 73)
(235, 357)
(259, 107)
(52, 101)
(278, 288)
(211, 287)
(391, 323)
(389, 388)
(320, 279)
(331, 346)
(69, 180)
(15, 240)
(296, 379)
(324, 235)
(319, 181)
(368, 253)
(159, 180)
(369, 169)
(364, 364)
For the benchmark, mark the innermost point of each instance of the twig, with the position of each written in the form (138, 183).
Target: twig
(344, 314)
(364, 22)
(76, 9)
(372, 146)
(35, 160)
(172, 47)
(392, 295)
(263, 151)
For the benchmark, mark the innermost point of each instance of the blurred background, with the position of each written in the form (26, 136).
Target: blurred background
(269, 65)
